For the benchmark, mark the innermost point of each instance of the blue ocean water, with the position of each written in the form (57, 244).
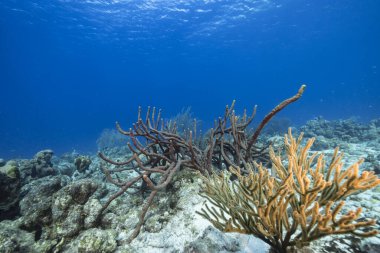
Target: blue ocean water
(70, 68)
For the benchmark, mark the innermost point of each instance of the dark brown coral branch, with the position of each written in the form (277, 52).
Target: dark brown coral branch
(269, 116)
(143, 212)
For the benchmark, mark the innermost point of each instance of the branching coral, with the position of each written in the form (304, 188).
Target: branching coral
(300, 203)
(159, 151)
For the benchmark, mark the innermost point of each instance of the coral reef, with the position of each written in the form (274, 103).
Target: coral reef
(301, 202)
(57, 208)
(171, 224)
(17, 176)
(337, 132)
(350, 135)
(159, 152)
(48, 211)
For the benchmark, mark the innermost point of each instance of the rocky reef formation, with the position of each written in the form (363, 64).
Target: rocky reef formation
(334, 133)
(38, 167)
(10, 189)
(57, 213)
(350, 135)
(82, 163)
(49, 205)
(42, 208)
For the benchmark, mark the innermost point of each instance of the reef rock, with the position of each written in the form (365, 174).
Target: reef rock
(13, 239)
(209, 241)
(35, 207)
(82, 163)
(9, 189)
(56, 212)
(92, 241)
(39, 166)
(173, 226)
(337, 132)
(68, 212)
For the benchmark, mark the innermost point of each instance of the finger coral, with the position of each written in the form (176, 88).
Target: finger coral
(301, 201)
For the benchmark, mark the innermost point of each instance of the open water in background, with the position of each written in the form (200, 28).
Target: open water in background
(70, 68)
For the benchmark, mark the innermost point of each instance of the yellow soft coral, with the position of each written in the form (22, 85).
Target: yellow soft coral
(299, 203)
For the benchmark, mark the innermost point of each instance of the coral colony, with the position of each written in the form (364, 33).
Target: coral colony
(302, 201)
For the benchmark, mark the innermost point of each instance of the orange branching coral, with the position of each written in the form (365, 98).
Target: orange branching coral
(299, 203)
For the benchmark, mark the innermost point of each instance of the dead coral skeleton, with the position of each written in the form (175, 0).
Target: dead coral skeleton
(159, 151)
(300, 203)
